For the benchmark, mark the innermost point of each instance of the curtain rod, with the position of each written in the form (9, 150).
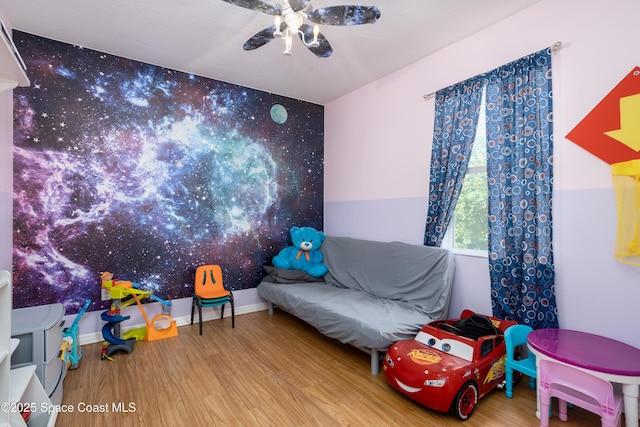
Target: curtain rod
(554, 48)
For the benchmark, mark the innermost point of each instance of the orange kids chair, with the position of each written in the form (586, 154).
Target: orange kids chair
(209, 291)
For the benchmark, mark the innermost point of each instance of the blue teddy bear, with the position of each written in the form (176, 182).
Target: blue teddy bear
(304, 254)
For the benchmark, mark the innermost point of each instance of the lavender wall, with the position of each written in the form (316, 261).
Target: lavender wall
(377, 148)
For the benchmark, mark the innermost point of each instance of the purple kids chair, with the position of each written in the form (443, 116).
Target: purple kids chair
(570, 384)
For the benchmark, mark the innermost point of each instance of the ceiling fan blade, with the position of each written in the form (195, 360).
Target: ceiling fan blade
(324, 50)
(258, 5)
(260, 39)
(299, 5)
(345, 15)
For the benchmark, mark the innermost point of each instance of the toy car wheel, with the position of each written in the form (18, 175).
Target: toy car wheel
(465, 401)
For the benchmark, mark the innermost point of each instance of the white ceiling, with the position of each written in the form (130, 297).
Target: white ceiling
(205, 37)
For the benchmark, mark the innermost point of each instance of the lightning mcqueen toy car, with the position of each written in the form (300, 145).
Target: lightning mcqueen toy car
(450, 364)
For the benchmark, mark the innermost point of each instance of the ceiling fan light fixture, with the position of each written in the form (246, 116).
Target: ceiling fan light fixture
(291, 18)
(288, 42)
(278, 22)
(294, 20)
(316, 31)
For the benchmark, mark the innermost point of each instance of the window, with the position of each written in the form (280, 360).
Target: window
(516, 237)
(468, 228)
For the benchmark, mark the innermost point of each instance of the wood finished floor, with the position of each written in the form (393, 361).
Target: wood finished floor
(268, 371)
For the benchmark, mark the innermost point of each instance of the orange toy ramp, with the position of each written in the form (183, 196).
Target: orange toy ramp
(154, 332)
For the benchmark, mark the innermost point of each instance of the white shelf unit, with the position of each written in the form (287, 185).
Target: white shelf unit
(12, 71)
(20, 385)
(5, 342)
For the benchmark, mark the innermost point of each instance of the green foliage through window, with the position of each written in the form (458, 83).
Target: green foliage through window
(470, 218)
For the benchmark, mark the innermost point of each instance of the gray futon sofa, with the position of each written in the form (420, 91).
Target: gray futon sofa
(375, 293)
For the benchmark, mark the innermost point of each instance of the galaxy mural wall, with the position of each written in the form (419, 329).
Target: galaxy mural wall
(147, 172)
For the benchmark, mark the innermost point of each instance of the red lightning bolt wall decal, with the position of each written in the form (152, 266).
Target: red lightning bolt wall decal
(611, 131)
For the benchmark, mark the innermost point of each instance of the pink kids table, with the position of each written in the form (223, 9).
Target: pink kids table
(612, 360)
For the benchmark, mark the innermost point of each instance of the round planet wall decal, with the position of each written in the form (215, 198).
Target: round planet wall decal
(278, 114)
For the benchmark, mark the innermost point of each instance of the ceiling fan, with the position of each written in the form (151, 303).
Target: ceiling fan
(290, 16)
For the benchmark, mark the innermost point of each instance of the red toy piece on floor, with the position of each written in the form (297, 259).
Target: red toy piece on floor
(450, 364)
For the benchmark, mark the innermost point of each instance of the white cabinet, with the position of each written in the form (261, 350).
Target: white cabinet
(18, 387)
(39, 330)
(5, 343)
(12, 70)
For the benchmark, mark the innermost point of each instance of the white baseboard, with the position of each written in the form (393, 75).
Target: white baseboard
(207, 315)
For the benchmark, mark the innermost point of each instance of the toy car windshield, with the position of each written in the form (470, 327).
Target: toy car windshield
(450, 346)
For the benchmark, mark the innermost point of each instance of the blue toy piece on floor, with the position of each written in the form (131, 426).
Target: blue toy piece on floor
(70, 335)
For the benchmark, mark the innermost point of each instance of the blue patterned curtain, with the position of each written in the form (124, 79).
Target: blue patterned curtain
(520, 179)
(456, 115)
